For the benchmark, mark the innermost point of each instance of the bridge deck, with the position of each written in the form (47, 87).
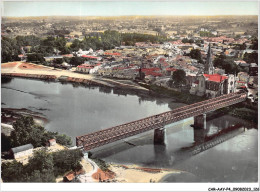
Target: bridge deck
(99, 138)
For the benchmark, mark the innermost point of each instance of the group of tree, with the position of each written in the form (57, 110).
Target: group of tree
(240, 46)
(227, 63)
(254, 45)
(179, 78)
(251, 57)
(206, 34)
(9, 50)
(196, 54)
(132, 38)
(111, 39)
(186, 40)
(199, 42)
(42, 166)
(27, 131)
(41, 47)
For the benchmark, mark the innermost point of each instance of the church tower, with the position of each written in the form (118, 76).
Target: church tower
(209, 69)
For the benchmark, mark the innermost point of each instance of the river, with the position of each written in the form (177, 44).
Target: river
(77, 110)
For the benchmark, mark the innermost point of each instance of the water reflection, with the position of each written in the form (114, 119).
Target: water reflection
(5, 80)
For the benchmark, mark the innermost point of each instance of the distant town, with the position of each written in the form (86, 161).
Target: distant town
(139, 47)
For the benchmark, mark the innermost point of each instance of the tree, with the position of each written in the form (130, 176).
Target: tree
(226, 63)
(58, 60)
(12, 171)
(254, 43)
(240, 46)
(199, 42)
(63, 140)
(26, 131)
(9, 50)
(185, 40)
(35, 57)
(179, 77)
(196, 54)
(206, 34)
(66, 160)
(251, 57)
(43, 166)
(75, 61)
(40, 167)
(41, 160)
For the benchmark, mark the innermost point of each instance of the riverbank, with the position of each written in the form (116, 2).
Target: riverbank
(10, 115)
(136, 174)
(33, 71)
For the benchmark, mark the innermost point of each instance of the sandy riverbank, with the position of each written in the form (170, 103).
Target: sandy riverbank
(136, 174)
(125, 173)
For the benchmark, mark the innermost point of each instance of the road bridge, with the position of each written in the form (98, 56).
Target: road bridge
(157, 122)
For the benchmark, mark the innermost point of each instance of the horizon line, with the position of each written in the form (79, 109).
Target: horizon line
(120, 16)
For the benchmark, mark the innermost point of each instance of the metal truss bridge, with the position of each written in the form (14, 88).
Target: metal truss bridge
(103, 137)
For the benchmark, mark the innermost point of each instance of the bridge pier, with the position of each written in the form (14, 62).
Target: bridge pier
(200, 121)
(159, 136)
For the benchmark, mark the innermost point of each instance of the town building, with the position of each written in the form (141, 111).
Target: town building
(213, 84)
(21, 151)
(84, 68)
(51, 142)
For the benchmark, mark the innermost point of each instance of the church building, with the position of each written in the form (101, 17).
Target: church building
(212, 84)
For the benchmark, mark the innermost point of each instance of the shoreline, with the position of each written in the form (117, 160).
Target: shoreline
(131, 173)
(41, 72)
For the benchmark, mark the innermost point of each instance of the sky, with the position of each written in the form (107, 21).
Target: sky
(117, 8)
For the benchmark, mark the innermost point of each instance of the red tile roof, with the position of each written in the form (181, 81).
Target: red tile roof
(68, 55)
(106, 53)
(215, 77)
(52, 140)
(86, 67)
(70, 176)
(89, 56)
(152, 73)
(171, 69)
(149, 69)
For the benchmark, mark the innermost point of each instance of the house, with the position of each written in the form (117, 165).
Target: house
(69, 177)
(72, 175)
(51, 142)
(21, 151)
(84, 68)
(22, 57)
